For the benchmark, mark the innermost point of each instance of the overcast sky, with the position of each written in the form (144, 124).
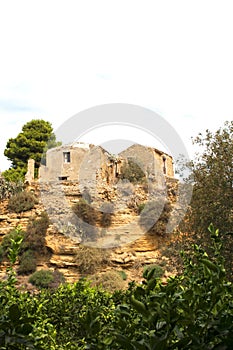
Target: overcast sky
(58, 58)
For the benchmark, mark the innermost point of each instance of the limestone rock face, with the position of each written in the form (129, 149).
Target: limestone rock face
(58, 244)
(64, 250)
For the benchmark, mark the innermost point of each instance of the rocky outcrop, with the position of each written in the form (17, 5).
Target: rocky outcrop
(129, 254)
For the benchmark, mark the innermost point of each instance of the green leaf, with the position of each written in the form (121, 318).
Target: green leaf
(14, 313)
(108, 340)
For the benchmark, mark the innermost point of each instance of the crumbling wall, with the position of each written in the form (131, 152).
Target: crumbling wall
(30, 175)
(92, 163)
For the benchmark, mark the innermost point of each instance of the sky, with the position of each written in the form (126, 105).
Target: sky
(59, 58)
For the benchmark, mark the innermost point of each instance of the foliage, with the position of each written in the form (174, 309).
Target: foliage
(212, 199)
(35, 137)
(27, 262)
(85, 212)
(123, 274)
(15, 329)
(32, 244)
(8, 188)
(1, 253)
(110, 280)
(41, 278)
(12, 254)
(157, 271)
(74, 317)
(191, 311)
(14, 175)
(132, 172)
(152, 211)
(88, 218)
(8, 238)
(46, 278)
(106, 214)
(90, 260)
(140, 207)
(58, 279)
(22, 201)
(35, 234)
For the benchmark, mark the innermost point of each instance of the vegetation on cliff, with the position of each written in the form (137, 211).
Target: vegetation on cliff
(191, 311)
(34, 139)
(212, 198)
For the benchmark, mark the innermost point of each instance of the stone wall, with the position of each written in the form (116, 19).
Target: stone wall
(59, 166)
(89, 163)
(153, 162)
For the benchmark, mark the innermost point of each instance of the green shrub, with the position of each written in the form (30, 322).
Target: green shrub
(21, 202)
(7, 239)
(193, 310)
(132, 172)
(109, 281)
(157, 271)
(140, 207)
(58, 278)
(90, 260)
(123, 274)
(47, 279)
(35, 234)
(1, 253)
(88, 219)
(27, 263)
(148, 217)
(41, 278)
(106, 214)
(14, 175)
(85, 212)
(8, 189)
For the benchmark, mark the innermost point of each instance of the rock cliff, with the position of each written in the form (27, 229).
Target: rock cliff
(131, 255)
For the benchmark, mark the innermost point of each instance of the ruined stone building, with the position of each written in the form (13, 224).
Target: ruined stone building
(83, 171)
(81, 162)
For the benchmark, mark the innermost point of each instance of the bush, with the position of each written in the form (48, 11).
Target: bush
(89, 217)
(14, 175)
(1, 253)
(35, 234)
(41, 278)
(46, 279)
(58, 278)
(27, 263)
(21, 202)
(191, 311)
(157, 271)
(106, 214)
(150, 213)
(140, 207)
(8, 189)
(123, 274)
(109, 281)
(89, 260)
(85, 212)
(7, 239)
(132, 172)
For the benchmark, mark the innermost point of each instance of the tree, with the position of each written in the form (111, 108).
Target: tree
(212, 200)
(34, 139)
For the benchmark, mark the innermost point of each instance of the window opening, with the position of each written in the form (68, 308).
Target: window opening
(66, 157)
